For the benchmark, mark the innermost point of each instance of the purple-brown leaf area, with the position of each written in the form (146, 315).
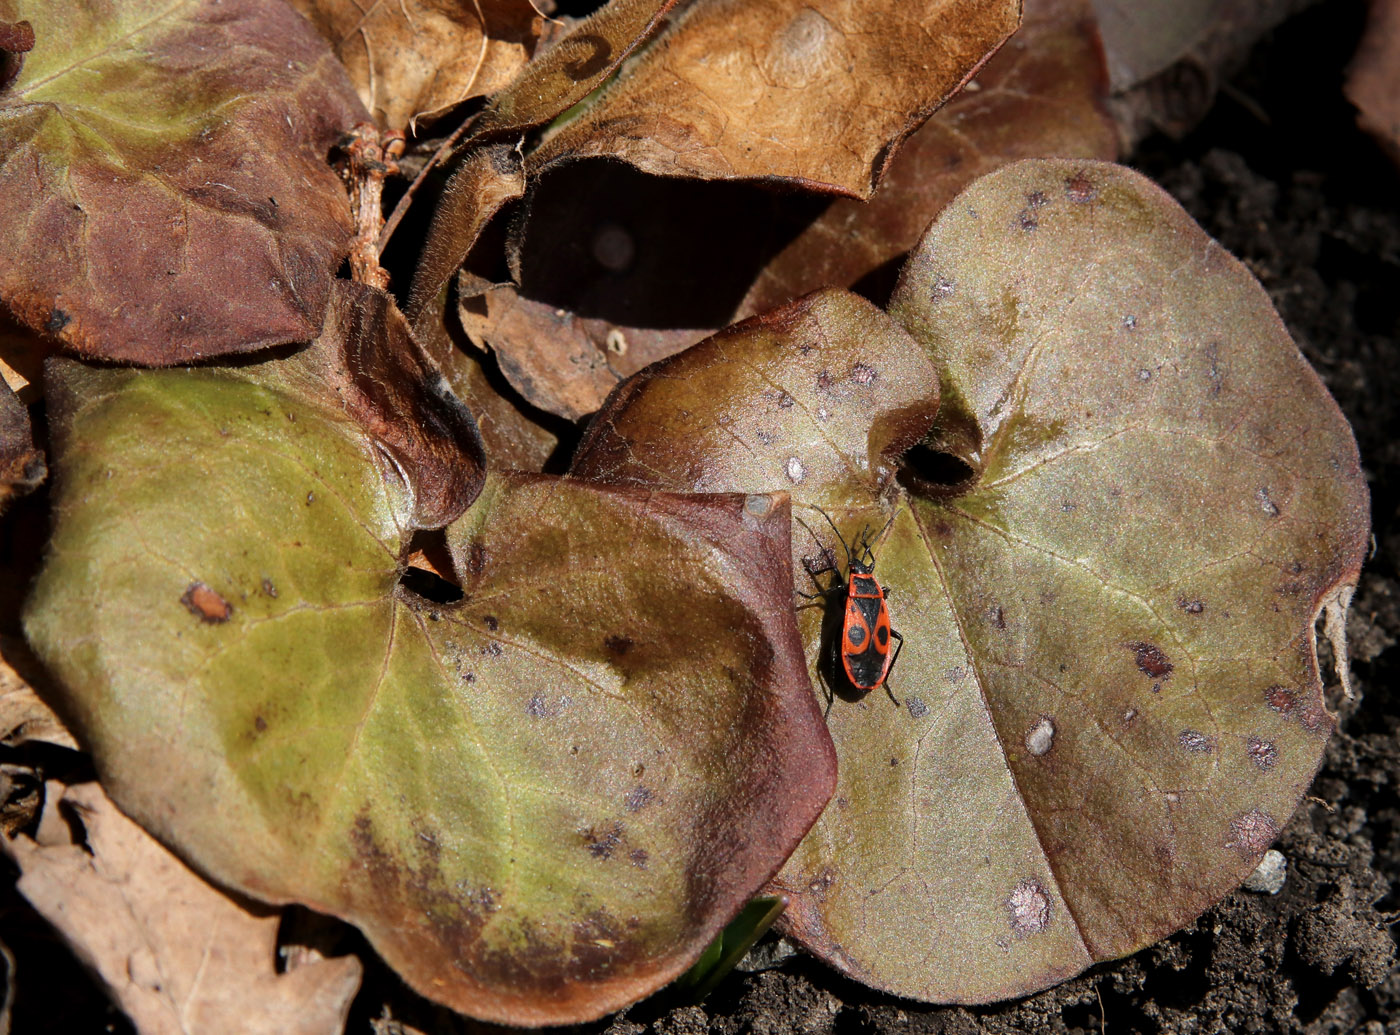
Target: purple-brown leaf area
(1108, 700)
(165, 174)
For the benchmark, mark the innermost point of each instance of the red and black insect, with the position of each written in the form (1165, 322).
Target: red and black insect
(864, 643)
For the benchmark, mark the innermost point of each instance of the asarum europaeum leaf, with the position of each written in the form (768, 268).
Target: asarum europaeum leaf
(1106, 559)
(163, 183)
(539, 801)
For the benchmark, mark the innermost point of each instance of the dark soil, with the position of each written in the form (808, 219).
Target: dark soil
(1278, 173)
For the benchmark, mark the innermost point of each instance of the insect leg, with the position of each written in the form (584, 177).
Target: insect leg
(898, 647)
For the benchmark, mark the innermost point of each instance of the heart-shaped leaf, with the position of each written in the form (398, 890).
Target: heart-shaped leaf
(417, 58)
(163, 179)
(1135, 502)
(539, 802)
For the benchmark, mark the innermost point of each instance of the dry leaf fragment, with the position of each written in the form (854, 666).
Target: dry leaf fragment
(178, 955)
(21, 465)
(23, 716)
(412, 59)
(1373, 82)
(817, 93)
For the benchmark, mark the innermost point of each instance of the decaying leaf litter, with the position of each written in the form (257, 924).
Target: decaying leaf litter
(411, 458)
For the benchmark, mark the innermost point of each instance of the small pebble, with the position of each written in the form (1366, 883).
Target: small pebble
(1269, 875)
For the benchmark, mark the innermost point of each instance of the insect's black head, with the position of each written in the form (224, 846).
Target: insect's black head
(863, 567)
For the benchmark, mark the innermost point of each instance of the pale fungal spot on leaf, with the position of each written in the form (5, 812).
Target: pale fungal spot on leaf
(1040, 738)
(942, 288)
(917, 708)
(796, 471)
(1194, 741)
(1262, 753)
(1267, 505)
(1029, 906)
(616, 342)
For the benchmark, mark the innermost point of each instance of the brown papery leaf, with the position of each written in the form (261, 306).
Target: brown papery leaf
(16, 40)
(21, 465)
(23, 716)
(179, 956)
(1042, 94)
(165, 184)
(412, 59)
(816, 94)
(367, 355)
(1373, 81)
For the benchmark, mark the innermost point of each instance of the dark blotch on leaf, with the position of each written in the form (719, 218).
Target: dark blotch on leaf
(934, 473)
(593, 62)
(205, 604)
(57, 321)
(1080, 190)
(636, 798)
(1150, 660)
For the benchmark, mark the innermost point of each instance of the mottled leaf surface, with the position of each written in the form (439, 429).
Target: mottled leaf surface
(515, 796)
(163, 179)
(812, 93)
(416, 58)
(1042, 94)
(1108, 698)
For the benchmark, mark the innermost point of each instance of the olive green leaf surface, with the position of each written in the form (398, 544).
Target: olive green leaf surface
(1106, 560)
(818, 93)
(163, 176)
(539, 802)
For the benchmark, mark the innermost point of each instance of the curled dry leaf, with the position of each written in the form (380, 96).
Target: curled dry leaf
(511, 439)
(618, 269)
(179, 956)
(23, 716)
(1041, 95)
(168, 148)
(1108, 697)
(815, 93)
(22, 466)
(16, 40)
(1373, 81)
(518, 795)
(412, 59)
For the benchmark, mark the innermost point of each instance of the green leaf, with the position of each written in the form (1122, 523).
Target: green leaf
(164, 179)
(1106, 560)
(539, 802)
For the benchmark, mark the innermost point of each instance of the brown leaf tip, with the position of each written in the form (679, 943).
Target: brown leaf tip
(1150, 659)
(206, 604)
(1029, 906)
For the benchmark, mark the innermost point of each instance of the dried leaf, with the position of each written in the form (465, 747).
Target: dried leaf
(1108, 696)
(178, 955)
(153, 151)
(412, 59)
(1373, 81)
(22, 467)
(23, 716)
(816, 93)
(487, 180)
(515, 795)
(572, 68)
(1041, 95)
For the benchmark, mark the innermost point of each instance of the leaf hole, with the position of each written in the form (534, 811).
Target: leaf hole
(428, 572)
(929, 472)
